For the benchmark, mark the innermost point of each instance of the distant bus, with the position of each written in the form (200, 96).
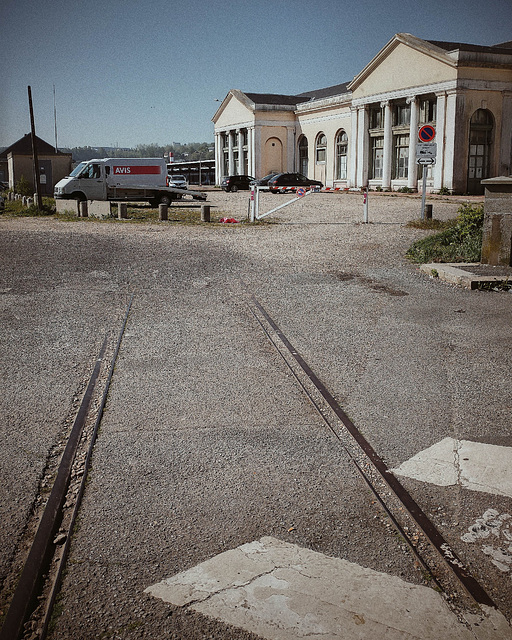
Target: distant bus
(201, 172)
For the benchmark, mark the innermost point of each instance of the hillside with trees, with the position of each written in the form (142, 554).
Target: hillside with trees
(182, 152)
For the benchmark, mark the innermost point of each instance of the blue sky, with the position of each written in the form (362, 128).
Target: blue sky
(129, 72)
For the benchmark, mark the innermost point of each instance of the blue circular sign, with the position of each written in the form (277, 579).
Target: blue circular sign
(427, 133)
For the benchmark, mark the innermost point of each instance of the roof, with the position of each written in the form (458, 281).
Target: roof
(275, 98)
(281, 99)
(464, 46)
(23, 147)
(328, 92)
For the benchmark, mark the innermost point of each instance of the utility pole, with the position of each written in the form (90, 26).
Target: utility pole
(34, 152)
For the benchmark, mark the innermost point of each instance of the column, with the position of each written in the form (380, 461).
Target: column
(439, 167)
(505, 159)
(449, 127)
(257, 152)
(388, 146)
(231, 159)
(412, 169)
(241, 163)
(218, 157)
(290, 149)
(250, 151)
(362, 147)
(352, 159)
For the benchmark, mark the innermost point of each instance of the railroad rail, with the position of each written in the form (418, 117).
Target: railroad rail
(34, 597)
(410, 520)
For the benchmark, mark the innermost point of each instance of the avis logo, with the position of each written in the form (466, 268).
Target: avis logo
(124, 170)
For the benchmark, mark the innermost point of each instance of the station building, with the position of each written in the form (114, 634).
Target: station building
(364, 133)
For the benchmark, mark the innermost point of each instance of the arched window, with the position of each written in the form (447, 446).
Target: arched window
(480, 140)
(303, 155)
(341, 155)
(321, 148)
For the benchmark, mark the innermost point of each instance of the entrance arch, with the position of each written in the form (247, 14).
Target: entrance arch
(481, 135)
(273, 156)
(303, 155)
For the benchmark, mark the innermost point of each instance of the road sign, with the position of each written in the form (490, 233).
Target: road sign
(300, 192)
(426, 160)
(427, 133)
(426, 150)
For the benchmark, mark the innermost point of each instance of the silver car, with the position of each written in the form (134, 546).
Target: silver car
(178, 181)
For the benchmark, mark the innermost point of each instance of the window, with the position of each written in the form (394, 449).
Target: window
(428, 110)
(341, 155)
(401, 156)
(401, 115)
(480, 141)
(303, 155)
(377, 157)
(321, 148)
(377, 118)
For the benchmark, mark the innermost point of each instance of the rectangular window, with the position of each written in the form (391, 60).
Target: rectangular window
(377, 157)
(428, 110)
(401, 157)
(402, 115)
(377, 118)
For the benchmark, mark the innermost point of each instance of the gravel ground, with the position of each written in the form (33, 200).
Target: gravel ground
(207, 441)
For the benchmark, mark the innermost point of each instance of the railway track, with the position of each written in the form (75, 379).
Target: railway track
(437, 559)
(33, 599)
(34, 596)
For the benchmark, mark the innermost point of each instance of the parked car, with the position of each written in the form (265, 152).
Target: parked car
(263, 182)
(178, 181)
(290, 181)
(235, 183)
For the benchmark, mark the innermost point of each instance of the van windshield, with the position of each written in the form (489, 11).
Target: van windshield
(77, 170)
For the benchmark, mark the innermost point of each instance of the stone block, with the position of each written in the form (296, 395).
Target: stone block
(497, 231)
(66, 206)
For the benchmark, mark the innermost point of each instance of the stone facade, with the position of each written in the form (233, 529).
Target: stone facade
(364, 133)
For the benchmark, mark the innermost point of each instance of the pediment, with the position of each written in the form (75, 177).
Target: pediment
(405, 62)
(236, 109)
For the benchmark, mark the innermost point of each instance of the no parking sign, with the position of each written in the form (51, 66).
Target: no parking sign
(427, 133)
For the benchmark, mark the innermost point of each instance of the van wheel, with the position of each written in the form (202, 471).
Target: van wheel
(162, 198)
(78, 196)
(165, 198)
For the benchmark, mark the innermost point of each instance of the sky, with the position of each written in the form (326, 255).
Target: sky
(130, 72)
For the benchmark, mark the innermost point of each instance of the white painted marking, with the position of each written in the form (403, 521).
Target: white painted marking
(283, 592)
(496, 531)
(477, 466)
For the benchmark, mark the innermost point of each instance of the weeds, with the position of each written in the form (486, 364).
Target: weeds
(461, 241)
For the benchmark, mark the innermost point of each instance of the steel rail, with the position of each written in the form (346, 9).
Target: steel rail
(471, 585)
(65, 552)
(36, 564)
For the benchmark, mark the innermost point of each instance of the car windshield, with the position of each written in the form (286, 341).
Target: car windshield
(77, 170)
(178, 178)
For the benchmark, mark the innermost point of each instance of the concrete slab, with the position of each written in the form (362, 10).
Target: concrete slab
(474, 465)
(466, 274)
(282, 592)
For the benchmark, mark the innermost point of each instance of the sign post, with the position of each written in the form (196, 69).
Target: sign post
(426, 152)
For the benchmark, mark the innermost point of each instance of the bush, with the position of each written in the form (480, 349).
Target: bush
(461, 242)
(23, 187)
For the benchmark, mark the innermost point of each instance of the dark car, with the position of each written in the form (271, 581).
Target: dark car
(290, 181)
(235, 183)
(263, 182)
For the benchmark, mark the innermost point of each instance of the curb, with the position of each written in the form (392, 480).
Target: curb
(461, 274)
